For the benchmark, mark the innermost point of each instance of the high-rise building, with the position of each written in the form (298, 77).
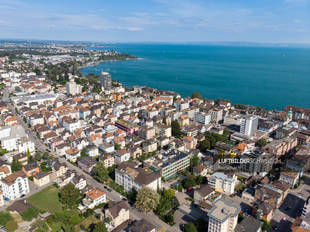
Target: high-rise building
(216, 115)
(202, 118)
(105, 80)
(73, 88)
(223, 183)
(223, 216)
(249, 125)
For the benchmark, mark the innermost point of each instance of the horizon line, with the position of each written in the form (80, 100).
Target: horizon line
(164, 42)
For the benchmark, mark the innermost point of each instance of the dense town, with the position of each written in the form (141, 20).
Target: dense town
(88, 154)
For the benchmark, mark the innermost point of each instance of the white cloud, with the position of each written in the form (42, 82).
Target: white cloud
(135, 29)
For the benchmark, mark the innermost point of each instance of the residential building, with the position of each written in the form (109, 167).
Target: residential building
(216, 115)
(72, 154)
(94, 197)
(92, 151)
(290, 177)
(15, 185)
(87, 163)
(169, 164)
(31, 169)
(249, 125)
(223, 183)
(105, 80)
(1, 199)
(5, 170)
(118, 212)
(130, 176)
(41, 178)
(73, 88)
(107, 159)
(122, 155)
(59, 169)
(203, 118)
(146, 132)
(223, 216)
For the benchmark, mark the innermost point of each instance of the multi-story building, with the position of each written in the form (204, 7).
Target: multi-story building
(15, 138)
(118, 212)
(257, 162)
(169, 164)
(202, 118)
(41, 178)
(249, 125)
(128, 127)
(94, 197)
(122, 155)
(146, 132)
(223, 183)
(71, 124)
(216, 115)
(15, 185)
(131, 177)
(282, 146)
(290, 177)
(73, 88)
(105, 80)
(223, 216)
(107, 159)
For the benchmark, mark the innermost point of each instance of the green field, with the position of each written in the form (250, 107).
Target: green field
(8, 221)
(46, 200)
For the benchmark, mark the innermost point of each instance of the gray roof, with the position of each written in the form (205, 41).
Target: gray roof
(223, 209)
(248, 224)
(140, 226)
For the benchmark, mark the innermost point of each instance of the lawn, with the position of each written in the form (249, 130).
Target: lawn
(7, 220)
(46, 200)
(86, 222)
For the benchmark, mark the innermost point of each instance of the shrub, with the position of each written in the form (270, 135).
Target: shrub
(4, 218)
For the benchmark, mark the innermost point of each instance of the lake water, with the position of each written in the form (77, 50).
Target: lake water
(270, 77)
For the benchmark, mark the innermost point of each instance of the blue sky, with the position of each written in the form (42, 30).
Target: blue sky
(274, 21)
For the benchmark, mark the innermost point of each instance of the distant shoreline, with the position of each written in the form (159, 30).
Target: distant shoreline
(92, 64)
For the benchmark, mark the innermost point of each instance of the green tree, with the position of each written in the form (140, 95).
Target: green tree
(100, 172)
(37, 156)
(97, 89)
(117, 146)
(28, 153)
(45, 156)
(176, 129)
(194, 161)
(100, 227)
(83, 152)
(199, 180)
(163, 206)
(169, 194)
(132, 195)
(261, 142)
(204, 145)
(16, 165)
(196, 95)
(266, 224)
(190, 227)
(69, 195)
(147, 199)
(189, 182)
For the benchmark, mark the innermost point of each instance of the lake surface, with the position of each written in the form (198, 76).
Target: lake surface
(270, 77)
